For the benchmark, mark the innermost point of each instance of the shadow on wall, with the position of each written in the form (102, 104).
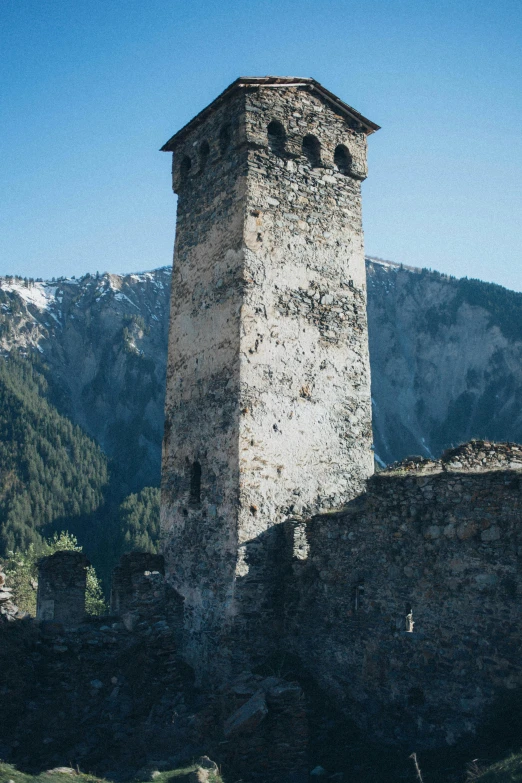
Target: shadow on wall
(405, 607)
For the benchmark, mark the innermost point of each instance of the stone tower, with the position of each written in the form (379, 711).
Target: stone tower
(268, 412)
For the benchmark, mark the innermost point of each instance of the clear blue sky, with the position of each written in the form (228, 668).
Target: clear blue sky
(92, 89)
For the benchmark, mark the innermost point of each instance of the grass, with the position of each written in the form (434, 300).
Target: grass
(509, 770)
(9, 773)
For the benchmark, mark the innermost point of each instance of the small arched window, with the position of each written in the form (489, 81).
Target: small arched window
(312, 150)
(343, 159)
(184, 169)
(195, 483)
(204, 152)
(276, 138)
(225, 137)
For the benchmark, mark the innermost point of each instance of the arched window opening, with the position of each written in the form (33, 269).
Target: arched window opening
(312, 150)
(276, 138)
(195, 483)
(343, 160)
(204, 152)
(184, 169)
(225, 137)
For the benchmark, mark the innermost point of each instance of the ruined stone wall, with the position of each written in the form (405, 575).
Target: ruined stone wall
(126, 585)
(443, 539)
(268, 388)
(141, 594)
(62, 579)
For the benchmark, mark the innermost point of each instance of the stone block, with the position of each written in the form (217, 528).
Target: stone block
(248, 717)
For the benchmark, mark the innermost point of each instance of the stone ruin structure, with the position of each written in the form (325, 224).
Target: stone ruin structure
(112, 692)
(62, 581)
(442, 538)
(141, 593)
(398, 593)
(130, 586)
(268, 410)
(294, 580)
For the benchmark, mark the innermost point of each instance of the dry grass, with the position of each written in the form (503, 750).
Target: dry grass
(509, 770)
(9, 773)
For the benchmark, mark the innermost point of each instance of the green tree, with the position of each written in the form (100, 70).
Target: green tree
(51, 473)
(139, 520)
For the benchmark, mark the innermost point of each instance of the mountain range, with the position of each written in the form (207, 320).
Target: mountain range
(446, 362)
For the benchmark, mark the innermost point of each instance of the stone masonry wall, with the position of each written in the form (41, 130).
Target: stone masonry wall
(268, 387)
(305, 427)
(140, 593)
(442, 539)
(200, 481)
(62, 579)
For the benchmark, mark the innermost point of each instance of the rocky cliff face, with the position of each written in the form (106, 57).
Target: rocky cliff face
(446, 359)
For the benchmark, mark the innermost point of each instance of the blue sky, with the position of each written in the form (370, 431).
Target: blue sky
(92, 89)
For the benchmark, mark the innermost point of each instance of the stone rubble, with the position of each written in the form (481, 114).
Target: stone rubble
(9, 612)
(474, 456)
(266, 728)
(115, 696)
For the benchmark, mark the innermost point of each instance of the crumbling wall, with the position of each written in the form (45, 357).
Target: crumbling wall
(96, 695)
(140, 593)
(62, 580)
(442, 540)
(265, 729)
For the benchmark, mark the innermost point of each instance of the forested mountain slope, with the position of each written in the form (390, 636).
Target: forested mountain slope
(51, 472)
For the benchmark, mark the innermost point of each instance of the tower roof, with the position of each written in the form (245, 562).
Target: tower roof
(274, 82)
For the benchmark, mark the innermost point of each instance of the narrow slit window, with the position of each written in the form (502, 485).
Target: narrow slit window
(184, 169)
(195, 483)
(358, 596)
(312, 150)
(225, 137)
(276, 138)
(204, 152)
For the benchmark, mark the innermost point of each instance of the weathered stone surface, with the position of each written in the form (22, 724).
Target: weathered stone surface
(140, 592)
(442, 542)
(248, 717)
(9, 612)
(269, 737)
(62, 579)
(62, 771)
(268, 384)
(205, 763)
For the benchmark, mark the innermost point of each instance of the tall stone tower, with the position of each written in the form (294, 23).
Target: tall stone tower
(268, 412)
